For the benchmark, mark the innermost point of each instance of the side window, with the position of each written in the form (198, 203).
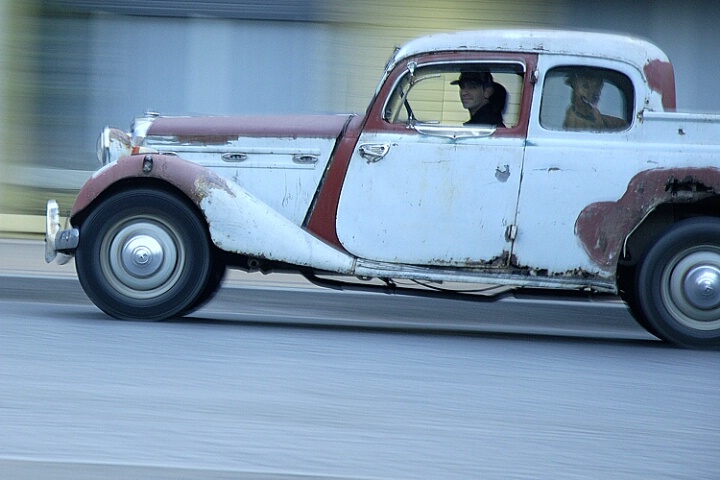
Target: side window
(458, 94)
(586, 99)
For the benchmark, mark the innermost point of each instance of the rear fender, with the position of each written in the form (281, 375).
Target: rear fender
(237, 221)
(603, 228)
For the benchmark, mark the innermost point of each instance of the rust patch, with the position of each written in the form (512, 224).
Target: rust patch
(321, 219)
(577, 273)
(502, 261)
(661, 78)
(206, 182)
(688, 184)
(603, 226)
(545, 273)
(203, 140)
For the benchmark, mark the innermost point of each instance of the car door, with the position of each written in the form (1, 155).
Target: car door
(576, 159)
(424, 189)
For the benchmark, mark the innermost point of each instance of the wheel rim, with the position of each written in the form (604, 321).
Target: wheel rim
(691, 288)
(142, 257)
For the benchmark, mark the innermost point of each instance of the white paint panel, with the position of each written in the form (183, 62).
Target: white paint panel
(270, 171)
(565, 171)
(241, 223)
(431, 200)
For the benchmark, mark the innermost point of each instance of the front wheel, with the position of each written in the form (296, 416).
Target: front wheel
(678, 284)
(144, 254)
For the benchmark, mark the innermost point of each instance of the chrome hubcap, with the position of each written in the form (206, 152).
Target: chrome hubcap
(142, 259)
(142, 256)
(702, 286)
(691, 288)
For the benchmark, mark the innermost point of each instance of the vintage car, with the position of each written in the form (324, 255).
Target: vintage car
(589, 182)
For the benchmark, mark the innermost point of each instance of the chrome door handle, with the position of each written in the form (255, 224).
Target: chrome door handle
(234, 157)
(373, 152)
(305, 159)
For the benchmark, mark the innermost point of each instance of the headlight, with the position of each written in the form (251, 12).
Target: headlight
(102, 148)
(140, 126)
(112, 144)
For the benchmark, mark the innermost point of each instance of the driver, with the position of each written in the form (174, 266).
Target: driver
(482, 97)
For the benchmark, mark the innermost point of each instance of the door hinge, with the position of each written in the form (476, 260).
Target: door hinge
(510, 233)
(535, 77)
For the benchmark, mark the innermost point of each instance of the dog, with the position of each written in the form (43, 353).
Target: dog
(583, 114)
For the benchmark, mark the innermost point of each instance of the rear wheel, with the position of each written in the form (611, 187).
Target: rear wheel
(678, 284)
(145, 254)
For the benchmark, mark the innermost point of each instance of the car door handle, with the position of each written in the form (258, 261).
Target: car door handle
(374, 152)
(305, 159)
(234, 157)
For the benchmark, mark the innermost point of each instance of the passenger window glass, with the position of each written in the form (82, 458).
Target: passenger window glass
(586, 99)
(432, 95)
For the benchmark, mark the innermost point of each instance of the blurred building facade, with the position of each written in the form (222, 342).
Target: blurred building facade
(70, 67)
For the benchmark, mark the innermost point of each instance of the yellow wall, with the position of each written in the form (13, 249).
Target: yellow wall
(365, 43)
(361, 36)
(4, 26)
(17, 100)
(16, 92)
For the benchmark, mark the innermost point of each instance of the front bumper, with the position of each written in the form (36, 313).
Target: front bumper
(60, 243)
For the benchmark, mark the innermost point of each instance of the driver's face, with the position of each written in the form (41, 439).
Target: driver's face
(474, 95)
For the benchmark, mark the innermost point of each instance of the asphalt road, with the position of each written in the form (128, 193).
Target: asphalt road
(285, 381)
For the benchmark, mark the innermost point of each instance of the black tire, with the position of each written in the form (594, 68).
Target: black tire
(144, 254)
(217, 274)
(627, 284)
(678, 284)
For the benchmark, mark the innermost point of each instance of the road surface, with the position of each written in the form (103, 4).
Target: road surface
(286, 381)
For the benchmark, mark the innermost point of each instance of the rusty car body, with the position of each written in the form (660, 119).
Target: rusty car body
(408, 192)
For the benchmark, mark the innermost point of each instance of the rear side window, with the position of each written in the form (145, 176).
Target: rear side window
(579, 98)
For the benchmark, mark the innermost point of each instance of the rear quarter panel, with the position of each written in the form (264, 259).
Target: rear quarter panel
(584, 192)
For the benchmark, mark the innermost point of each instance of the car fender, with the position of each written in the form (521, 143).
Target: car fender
(237, 221)
(604, 227)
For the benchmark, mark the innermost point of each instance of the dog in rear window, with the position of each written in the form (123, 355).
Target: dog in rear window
(583, 112)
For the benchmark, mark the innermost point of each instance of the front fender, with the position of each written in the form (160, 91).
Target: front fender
(237, 221)
(169, 168)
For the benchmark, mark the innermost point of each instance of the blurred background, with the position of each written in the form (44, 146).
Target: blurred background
(70, 67)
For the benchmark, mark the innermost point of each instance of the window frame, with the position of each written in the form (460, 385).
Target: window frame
(376, 113)
(449, 72)
(627, 90)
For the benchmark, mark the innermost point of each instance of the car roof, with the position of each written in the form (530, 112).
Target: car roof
(581, 43)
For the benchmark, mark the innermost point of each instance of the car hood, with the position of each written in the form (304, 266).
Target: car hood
(224, 129)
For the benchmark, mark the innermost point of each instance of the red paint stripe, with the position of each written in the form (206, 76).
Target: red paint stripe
(322, 220)
(312, 126)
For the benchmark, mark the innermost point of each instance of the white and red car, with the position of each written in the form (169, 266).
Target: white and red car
(407, 191)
